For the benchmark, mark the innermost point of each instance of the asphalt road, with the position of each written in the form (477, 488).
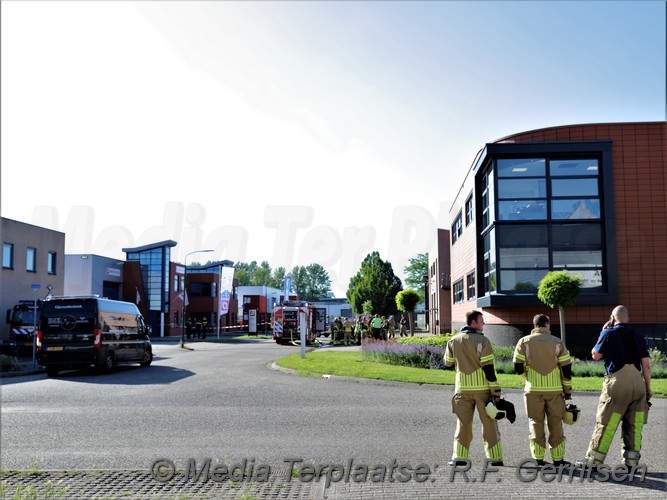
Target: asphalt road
(222, 401)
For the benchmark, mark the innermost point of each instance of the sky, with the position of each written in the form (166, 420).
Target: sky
(294, 132)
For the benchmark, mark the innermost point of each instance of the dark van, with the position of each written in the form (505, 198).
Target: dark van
(83, 332)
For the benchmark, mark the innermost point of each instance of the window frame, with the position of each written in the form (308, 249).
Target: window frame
(8, 247)
(51, 262)
(457, 227)
(31, 259)
(458, 292)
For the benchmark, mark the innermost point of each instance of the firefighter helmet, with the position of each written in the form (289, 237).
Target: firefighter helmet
(571, 414)
(501, 409)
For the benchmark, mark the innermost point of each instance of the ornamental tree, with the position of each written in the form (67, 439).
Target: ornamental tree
(559, 289)
(407, 300)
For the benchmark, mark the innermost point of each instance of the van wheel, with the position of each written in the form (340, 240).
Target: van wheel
(107, 363)
(148, 358)
(52, 372)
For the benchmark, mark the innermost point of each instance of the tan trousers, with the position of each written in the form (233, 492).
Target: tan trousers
(623, 400)
(552, 406)
(463, 405)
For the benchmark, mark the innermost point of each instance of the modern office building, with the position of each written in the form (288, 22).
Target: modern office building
(589, 199)
(33, 264)
(147, 278)
(205, 286)
(90, 274)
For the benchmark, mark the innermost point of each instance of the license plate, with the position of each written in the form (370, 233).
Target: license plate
(54, 348)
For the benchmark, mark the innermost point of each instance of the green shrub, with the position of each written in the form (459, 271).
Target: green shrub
(588, 369)
(9, 364)
(656, 356)
(503, 352)
(434, 340)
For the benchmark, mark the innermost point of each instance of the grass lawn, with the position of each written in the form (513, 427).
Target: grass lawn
(244, 337)
(352, 364)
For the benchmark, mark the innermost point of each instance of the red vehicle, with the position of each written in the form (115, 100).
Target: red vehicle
(289, 318)
(22, 319)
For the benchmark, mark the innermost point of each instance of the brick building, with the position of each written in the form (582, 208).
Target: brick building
(586, 198)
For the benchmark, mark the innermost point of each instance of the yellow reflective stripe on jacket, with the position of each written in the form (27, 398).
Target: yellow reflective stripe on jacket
(485, 359)
(519, 357)
(564, 359)
(475, 381)
(545, 383)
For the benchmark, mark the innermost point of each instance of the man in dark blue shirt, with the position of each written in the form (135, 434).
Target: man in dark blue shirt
(625, 391)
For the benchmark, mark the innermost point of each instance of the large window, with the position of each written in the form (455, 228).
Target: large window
(31, 260)
(8, 256)
(458, 292)
(469, 210)
(457, 228)
(547, 214)
(154, 265)
(522, 189)
(470, 285)
(487, 198)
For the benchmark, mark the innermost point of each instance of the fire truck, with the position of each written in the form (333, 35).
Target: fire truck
(289, 318)
(22, 319)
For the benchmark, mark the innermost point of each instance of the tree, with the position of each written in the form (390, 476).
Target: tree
(376, 282)
(278, 277)
(261, 275)
(310, 283)
(407, 300)
(559, 289)
(243, 272)
(415, 272)
(367, 308)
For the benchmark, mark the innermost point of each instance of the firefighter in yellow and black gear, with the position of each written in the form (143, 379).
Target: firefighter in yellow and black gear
(626, 390)
(472, 355)
(547, 366)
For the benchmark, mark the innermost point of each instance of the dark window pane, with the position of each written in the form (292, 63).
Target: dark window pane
(522, 236)
(576, 236)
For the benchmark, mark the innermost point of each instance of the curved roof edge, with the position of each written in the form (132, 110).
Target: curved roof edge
(151, 246)
(524, 132)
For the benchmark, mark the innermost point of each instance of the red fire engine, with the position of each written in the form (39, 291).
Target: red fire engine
(289, 318)
(22, 319)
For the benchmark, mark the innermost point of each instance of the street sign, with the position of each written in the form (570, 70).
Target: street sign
(36, 286)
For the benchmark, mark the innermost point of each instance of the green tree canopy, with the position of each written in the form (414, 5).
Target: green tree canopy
(558, 289)
(310, 283)
(376, 282)
(414, 273)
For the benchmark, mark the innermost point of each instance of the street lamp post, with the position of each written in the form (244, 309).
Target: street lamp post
(185, 291)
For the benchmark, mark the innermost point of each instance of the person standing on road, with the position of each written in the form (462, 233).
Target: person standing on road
(547, 366)
(626, 390)
(472, 355)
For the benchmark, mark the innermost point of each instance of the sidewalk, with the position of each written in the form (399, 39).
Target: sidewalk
(440, 483)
